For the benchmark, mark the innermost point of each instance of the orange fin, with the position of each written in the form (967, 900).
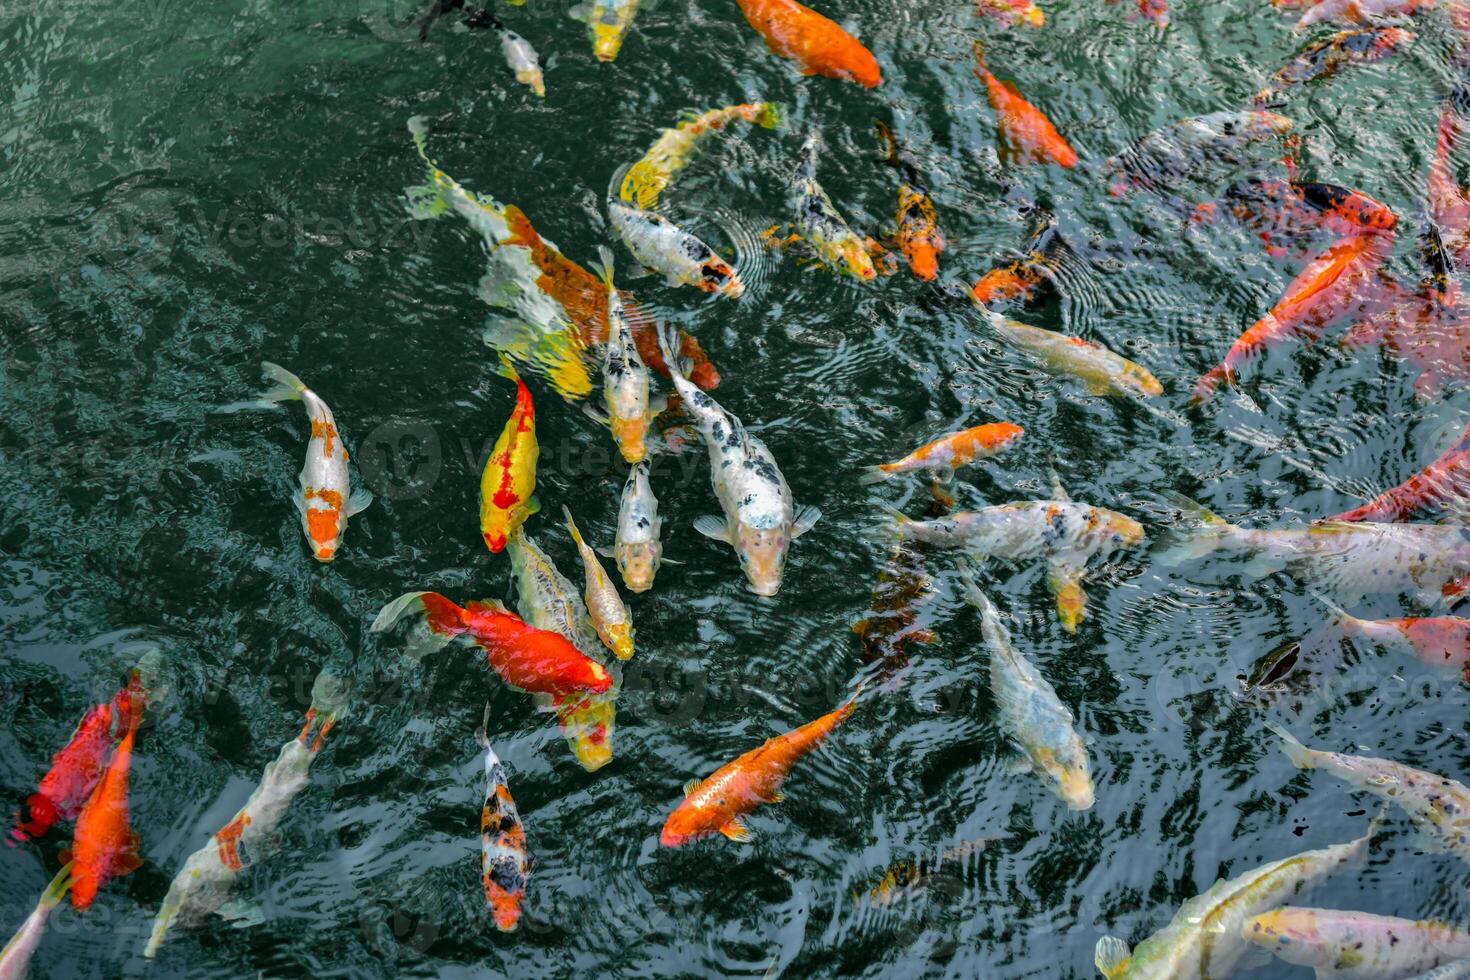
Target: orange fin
(737, 831)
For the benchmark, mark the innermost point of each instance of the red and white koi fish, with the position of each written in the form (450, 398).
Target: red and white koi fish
(1027, 134)
(505, 863)
(1445, 480)
(796, 31)
(1283, 211)
(105, 845)
(1440, 641)
(1156, 11)
(16, 956)
(949, 452)
(533, 660)
(1012, 13)
(720, 803)
(202, 886)
(327, 499)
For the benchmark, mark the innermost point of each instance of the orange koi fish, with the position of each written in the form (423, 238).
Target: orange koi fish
(1358, 11)
(105, 845)
(719, 803)
(1330, 56)
(1323, 292)
(918, 224)
(510, 472)
(1449, 204)
(1010, 13)
(533, 660)
(1153, 10)
(949, 452)
(1431, 331)
(1284, 211)
(795, 31)
(505, 863)
(1027, 134)
(1440, 641)
(1024, 278)
(1439, 482)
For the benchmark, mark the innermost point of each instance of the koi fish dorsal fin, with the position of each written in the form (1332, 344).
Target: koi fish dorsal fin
(128, 860)
(691, 786)
(486, 606)
(1111, 956)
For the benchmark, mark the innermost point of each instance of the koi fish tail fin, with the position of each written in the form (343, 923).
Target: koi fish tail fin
(769, 117)
(806, 159)
(1192, 542)
(426, 201)
(285, 386)
(605, 266)
(1111, 956)
(1332, 607)
(979, 49)
(670, 348)
(329, 696)
(482, 734)
(896, 527)
(1300, 756)
(877, 474)
(890, 144)
(443, 621)
(507, 369)
(58, 888)
(573, 529)
(1209, 382)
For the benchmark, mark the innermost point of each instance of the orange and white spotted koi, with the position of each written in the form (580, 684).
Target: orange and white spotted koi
(327, 499)
(505, 864)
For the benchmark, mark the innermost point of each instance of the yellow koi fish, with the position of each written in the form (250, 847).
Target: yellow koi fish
(674, 148)
(509, 478)
(609, 616)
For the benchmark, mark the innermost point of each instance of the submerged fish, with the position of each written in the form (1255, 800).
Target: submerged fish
(674, 148)
(662, 246)
(949, 452)
(16, 956)
(904, 591)
(1327, 57)
(637, 548)
(1101, 370)
(760, 521)
(1359, 11)
(1440, 641)
(1027, 134)
(820, 225)
(1186, 150)
(1203, 941)
(203, 884)
(608, 21)
(630, 411)
(795, 31)
(327, 499)
(906, 878)
(505, 862)
(509, 478)
(1355, 945)
(1449, 202)
(613, 622)
(918, 224)
(519, 56)
(1012, 13)
(1031, 714)
(1444, 481)
(1350, 559)
(720, 802)
(1023, 278)
(105, 844)
(1282, 212)
(1438, 805)
(533, 660)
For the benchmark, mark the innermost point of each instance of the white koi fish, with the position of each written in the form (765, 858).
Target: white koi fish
(1203, 941)
(1438, 805)
(326, 500)
(505, 864)
(609, 616)
(637, 548)
(1031, 713)
(630, 410)
(1101, 370)
(16, 956)
(663, 247)
(760, 520)
(1355, 945)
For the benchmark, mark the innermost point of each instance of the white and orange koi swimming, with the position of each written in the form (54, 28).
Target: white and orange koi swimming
(203, 884)
(760, 519)
(663, 247)
(1099, 369)
(637, 548)
(16, 956)
(949, 452)
(674, 148)
(1438, 806)
(1204, 939)
(820, 225)
(326, 500)
(625, 379)
(505, 864)
(1031, 713)
(611, 619)
(1356, 945)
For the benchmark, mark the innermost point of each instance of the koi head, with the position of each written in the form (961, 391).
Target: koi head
(687, 823)
(620, 640)
(495, 529)
(1265, 123)
(631, 436)
(717, 276)
(323, 520)
(1075, 785)
(1122, 531)
(593, 677)
(638, 564)
(505, 886)
(923, 260)
(608, 30)
(762, 554)
(533, 78)
(853, 258)
(1138, 380)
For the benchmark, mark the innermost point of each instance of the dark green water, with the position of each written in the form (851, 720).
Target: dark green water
(192, 188)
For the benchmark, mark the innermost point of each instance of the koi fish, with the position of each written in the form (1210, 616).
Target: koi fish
(1012, 13)
(548, 601)
(894, 620)
(1355, 945)
(1436, 640)
(77, 768)
(1438, 806)
(1156, 11)
(519, 56)
(1187, 149)
(1322, 293)
(637, 548)
(202, 886)
(1063, 533)
(1031, 713)
(674, 148)
(1027, 135)
(1351, 559)
(662, 246)
(918, 224)
(326, 500)
(505, 862)
(720, 802)
(1359, 11)
(1429, 334)
(1280, 211)
(1101, 370)
(820, 225)
(906, 878)
(611, 618)
(1449, 204)
(949, 452)
(797, 32)
(533, 660)
(1327, 57)
(760, 521)
(630, 411)
(1024, 278)
(608, 21)
(1438, 483)
(1204, 939)
(16, 956)
(105, 845)
(509, 478)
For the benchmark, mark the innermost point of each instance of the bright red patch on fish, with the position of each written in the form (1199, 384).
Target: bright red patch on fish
(1028, 134)
(228, 840)
(795, 31)
(1439, 640)
(105, 844)
(1444, 480)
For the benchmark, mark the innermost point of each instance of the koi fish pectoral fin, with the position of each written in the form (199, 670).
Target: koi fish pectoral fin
(714, 527)
(806, 519)
(737, 831)
(597, 415)
(240, 913)
(361, 500)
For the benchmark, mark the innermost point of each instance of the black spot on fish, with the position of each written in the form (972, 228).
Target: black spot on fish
(506, 872)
